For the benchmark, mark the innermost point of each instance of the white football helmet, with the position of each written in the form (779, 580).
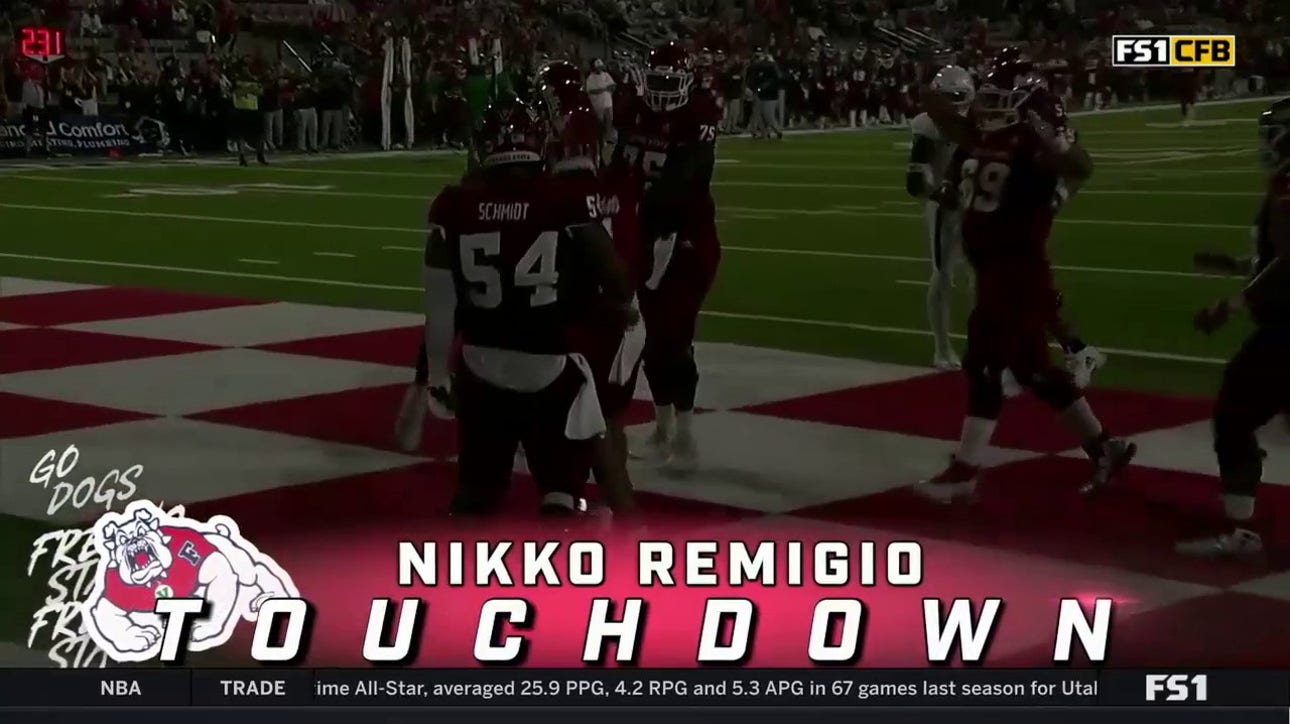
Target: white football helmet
(956, 84)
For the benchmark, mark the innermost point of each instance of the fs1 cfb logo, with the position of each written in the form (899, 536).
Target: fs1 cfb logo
(1177, 687)
(1173, 51)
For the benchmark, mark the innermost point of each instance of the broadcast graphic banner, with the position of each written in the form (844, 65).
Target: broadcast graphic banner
(868, 688)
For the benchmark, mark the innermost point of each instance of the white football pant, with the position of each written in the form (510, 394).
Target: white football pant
(946, 247)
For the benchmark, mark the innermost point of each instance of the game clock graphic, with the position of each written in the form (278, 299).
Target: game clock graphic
(41, 44)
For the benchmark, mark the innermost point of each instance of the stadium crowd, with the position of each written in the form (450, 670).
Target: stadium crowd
(318, 64)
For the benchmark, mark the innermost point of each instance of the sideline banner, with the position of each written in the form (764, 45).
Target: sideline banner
(88, 136)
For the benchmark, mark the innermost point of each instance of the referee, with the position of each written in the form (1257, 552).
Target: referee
(249, 124)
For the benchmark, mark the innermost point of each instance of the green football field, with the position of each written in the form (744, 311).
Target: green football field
(824, 251)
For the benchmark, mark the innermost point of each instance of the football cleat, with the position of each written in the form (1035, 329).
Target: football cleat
(685, 453)
(954, 483)
(1116, 455)
(655, 447)
(1240, 543)
(947, 361)
(410, 425)
(1083, 364)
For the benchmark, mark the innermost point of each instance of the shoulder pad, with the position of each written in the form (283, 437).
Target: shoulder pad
(444, 203)
(922, 125)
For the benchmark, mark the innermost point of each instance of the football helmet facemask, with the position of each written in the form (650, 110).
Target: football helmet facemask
(668, 77)
(999, 99)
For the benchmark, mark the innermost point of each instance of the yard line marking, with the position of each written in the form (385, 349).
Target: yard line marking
(745, 249)
(403, 248)
(212, 272)
(336, 254)
(266, 262)
(925, 333)
(893, 189)
(912, 282)
(200, 217)
(924, 260)
(720, 315)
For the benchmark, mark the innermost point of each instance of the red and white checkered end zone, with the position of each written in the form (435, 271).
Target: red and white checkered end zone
(279, 415)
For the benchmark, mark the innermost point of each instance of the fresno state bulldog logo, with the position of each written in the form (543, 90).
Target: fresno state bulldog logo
(146, 554)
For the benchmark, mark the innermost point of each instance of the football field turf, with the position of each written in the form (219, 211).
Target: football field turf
(243, 334)
(824, 251)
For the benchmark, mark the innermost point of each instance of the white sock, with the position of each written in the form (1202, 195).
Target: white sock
(685, 423)
(1239, 508)
(938, 311)
(664, 415)
(1080, 419)
(974, 439)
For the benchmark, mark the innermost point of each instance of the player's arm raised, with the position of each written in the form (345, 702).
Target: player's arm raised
(1064, 152)
(956, 127)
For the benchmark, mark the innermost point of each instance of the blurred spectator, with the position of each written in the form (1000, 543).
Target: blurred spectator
(92, 23)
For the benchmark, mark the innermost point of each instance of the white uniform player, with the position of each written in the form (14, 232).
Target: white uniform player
(929, 159)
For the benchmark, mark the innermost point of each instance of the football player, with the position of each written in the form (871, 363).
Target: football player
(514, 260)
(613, 352)
(1256, 386)
(1082, 359)
(929, 159)
(1011, 156)
(669, 136)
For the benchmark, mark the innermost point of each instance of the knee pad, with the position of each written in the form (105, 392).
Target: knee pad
(1054, 387)
(985, 394)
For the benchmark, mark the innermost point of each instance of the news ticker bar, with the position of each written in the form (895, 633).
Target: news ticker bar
(272, 687)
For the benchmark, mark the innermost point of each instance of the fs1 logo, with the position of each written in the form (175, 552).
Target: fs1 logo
(1177, 687)
(1173, 51)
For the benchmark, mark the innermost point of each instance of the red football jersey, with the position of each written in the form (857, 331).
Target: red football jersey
(620, 198)
(1006, 196)
(189, 548)
(648, 135)
(515, 289)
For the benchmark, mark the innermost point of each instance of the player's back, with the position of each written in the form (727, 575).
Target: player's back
(517, 290)
(1006, 196)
